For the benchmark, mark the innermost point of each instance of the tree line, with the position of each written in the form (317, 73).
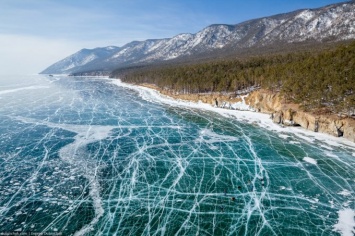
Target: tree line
(317, 80)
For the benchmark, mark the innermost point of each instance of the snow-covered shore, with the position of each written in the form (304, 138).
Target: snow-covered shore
(245, 115)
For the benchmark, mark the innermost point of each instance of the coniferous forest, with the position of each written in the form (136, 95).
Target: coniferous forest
(318, 80)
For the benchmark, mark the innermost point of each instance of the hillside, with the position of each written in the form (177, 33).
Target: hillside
(322, 80)
(308, 27)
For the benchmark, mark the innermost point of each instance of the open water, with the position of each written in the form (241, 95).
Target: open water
(83, 156)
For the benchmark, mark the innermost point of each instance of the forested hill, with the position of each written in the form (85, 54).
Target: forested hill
(322, 79)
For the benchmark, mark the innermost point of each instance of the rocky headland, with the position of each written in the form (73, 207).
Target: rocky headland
(264, 101)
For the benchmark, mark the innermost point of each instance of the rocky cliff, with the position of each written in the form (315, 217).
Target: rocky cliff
(329, 124)
(272, 103)
(291, 115)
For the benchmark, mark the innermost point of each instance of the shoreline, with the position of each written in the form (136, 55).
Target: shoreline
(273, 104)
(150, 93)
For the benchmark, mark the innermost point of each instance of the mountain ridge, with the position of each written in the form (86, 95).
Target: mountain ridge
(335, 22)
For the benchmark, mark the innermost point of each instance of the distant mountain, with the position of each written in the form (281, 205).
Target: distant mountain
(330, 23)
(80, 59)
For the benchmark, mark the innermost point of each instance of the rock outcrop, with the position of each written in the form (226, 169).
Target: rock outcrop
(282, 113)
(292, 115)
(264, 101)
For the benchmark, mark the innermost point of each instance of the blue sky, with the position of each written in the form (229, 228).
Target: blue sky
(36, 33)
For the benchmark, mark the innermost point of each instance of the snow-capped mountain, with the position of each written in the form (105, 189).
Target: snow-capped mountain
(332, 23)
(79, 59)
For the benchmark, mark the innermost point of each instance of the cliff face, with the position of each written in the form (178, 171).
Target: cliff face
(333, 125)
(292, 115)
(264, 101)
(272, 103)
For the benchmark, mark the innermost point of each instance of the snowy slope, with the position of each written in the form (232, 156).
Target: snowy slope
(78, 59)
(334, 22)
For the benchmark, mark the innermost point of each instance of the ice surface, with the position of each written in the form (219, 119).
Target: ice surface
(329, 154)
(345, 192)
(87, 157)
(21, 89)
(310, 160)
(346, 223)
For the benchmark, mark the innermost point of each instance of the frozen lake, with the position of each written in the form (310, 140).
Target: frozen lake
(87, 156)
